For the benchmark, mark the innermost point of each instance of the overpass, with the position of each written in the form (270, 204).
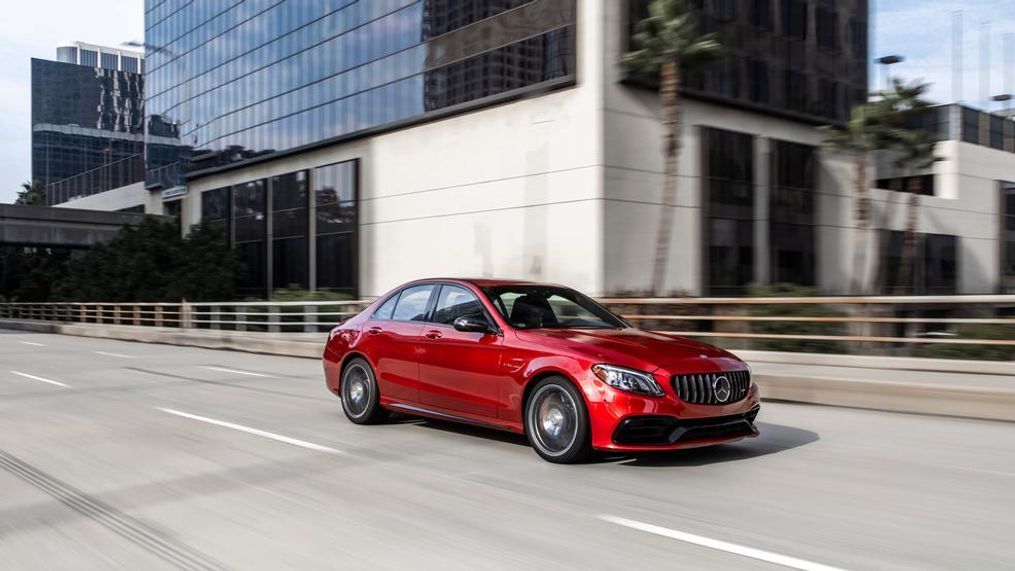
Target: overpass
(44, 226)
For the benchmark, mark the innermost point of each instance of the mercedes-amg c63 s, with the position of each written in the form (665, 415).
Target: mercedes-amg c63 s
(540, 360)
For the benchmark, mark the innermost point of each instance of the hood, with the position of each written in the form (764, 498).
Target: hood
(630, 347)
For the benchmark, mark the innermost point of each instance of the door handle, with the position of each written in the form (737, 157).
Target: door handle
(374, 330)
(434, 334)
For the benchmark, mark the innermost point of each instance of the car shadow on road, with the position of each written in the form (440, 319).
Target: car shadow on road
(773, 438)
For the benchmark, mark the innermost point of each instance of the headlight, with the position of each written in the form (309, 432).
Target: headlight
(628, 380)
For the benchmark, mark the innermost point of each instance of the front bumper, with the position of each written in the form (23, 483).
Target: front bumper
(630, 423)
(669, 431)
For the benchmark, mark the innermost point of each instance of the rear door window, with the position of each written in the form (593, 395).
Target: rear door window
(387, 308)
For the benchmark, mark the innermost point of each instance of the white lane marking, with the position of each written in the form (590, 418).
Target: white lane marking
(40, 379)
(719, 545)
(32, 343)
(254, 431)
(120, 355)
(234, 371)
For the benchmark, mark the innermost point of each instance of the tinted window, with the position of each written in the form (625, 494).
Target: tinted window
(387, 308)
(412, 303)
(454, 302)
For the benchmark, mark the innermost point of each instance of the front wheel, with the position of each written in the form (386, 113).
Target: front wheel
(360, 397)
(557, 421)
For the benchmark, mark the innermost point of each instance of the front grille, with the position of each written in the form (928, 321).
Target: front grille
(700, 388)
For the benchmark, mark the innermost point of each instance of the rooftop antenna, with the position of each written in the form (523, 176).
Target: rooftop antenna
(985, 64)
(957, 56)
(1009, 62)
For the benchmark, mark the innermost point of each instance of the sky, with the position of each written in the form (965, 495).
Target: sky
(919, 30)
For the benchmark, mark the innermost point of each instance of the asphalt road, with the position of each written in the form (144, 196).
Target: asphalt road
(134, 456)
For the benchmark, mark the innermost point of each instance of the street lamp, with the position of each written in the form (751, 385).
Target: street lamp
(1004, 98)
(885, 62)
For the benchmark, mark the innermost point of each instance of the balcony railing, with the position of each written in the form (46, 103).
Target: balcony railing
(940, 326)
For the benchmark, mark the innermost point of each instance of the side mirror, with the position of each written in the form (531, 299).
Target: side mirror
(471, 324)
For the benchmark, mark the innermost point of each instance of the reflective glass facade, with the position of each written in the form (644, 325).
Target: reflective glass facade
(82, 119)
(239, 79)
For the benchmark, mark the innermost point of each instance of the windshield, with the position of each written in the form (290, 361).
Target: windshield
(535, 307)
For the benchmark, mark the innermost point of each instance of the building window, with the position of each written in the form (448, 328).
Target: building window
(791, 231)
(828, 94)
(858, 37)
(90, 58)
(290, 199)
(129, 64)
(971, 126)
(933, 269)
(760, 14)
(921, 184)
(67, 55)
(215, 210)
(940, 269)
(1008, 229)
(795, 90)
(250, 221)
(794, 19)
(109, 61)
(173, 208)
(725, 9)
(827, 28)
(997, 132)
(757, 81)
(729, 188)
(335, 195)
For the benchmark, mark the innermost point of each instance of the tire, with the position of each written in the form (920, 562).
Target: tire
(557, 421)
(359, 393)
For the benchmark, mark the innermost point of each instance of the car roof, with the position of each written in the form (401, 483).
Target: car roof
(486, 282)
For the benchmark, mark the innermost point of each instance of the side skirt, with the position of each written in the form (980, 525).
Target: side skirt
(417, 410)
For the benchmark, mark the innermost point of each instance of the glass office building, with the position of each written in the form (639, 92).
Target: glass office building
(87, 128)
(248, 78)
(244, 81)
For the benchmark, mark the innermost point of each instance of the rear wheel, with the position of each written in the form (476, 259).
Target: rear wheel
(557, 421)
(360, 397)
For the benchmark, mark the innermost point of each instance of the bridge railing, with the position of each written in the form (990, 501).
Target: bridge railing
(937, 326)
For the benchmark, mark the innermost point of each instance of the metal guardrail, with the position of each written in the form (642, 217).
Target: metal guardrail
(285, 316)
(841, 322)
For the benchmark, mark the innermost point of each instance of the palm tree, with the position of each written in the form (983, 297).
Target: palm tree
(667, 43)
(861, 135)
(917, 153)
(31, 194)
(915, 148)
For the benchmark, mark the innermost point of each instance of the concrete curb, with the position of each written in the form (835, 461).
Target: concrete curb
(987, 403)
(879, 362)
(208, 339)
(991, 403)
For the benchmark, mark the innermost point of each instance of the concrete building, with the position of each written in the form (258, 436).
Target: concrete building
(87, 121)
(390, 140)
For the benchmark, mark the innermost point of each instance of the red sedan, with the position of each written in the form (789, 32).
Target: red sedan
(540, 360)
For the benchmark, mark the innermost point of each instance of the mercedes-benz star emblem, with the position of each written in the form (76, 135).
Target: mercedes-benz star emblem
(722, 388)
